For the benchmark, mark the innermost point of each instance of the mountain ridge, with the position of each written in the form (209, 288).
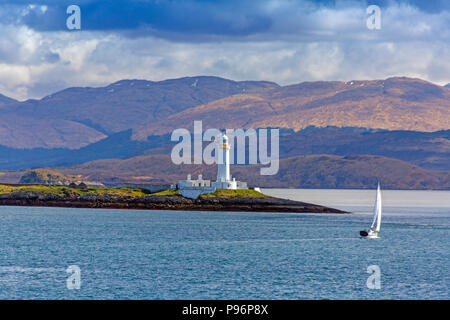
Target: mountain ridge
(77, 117)
(396, 103)
(116, 107)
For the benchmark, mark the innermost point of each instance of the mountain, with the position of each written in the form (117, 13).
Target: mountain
(447, 85)
(313, 171)
(130, 121)
(350, 172)
(393, 104)
(76, 117)
(429, 150)
(118, 145)
(25, 131)
(4, 100)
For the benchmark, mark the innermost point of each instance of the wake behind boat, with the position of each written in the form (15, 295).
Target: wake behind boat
(374, 229)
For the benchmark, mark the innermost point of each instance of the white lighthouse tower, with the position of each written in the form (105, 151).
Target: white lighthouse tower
(224, 180)
(223, 163)
(193, 188)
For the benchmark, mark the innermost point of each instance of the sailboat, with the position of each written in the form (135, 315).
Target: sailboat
(374, 229)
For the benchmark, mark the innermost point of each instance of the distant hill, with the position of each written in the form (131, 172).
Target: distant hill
(393, 104)
(52, 177)
(118, 145)
(429, 150)
(75, 117)
(314, 171)
(25, 131)
(300, 165)
(447, 85)
(47, 176)
(359, 172)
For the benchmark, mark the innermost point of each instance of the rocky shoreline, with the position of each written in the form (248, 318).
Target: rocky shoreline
(161, 202)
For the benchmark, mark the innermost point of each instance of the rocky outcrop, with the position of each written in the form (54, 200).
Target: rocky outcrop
(45, 176)
(54, 178)
(161, 202)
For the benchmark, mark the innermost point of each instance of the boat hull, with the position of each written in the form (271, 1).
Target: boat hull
(368, 234)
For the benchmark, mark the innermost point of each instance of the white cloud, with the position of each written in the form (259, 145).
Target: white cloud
(329, 45)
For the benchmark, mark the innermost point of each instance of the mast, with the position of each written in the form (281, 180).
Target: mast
(378, 208)
(377, 211)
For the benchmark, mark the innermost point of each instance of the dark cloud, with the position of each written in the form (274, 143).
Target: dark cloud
(228, 17)
(207, 18)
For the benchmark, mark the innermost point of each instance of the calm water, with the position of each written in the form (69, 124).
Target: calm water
(192, 255)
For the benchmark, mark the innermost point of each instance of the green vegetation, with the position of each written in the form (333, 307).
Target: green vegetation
(167, 192)
(120, 192)
(66, 191)
(222, 193)
(46, 176)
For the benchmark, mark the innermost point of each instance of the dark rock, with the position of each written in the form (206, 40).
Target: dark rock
(153, 202)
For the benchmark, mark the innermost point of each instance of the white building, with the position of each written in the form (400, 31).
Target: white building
(193, 188)
(189, 183)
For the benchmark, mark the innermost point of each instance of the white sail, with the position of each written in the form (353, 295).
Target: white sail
(376, 223)
(378, 210)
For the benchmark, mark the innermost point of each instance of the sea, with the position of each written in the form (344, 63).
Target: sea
(66, 253)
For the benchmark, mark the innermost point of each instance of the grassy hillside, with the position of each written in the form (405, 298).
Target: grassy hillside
(168, 192)
(125, 192)
(46, 176)
(122, 192)
(235, 194)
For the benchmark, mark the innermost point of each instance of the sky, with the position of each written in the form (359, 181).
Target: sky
(285, 41)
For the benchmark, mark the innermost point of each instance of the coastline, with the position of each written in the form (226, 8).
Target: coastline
(163, 202)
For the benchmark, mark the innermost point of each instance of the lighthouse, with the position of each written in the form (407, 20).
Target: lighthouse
(223, 163)
(224, 179)
(193, 188)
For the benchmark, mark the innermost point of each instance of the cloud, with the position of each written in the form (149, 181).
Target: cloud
(210, 20)
(278, 40)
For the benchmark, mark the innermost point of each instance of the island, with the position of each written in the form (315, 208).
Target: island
(74, 196)
(46, 187)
